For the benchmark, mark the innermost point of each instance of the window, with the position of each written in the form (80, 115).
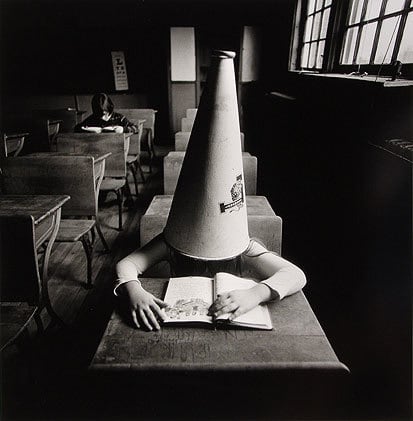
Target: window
(372, 29)
(363, 35)
(315, 33)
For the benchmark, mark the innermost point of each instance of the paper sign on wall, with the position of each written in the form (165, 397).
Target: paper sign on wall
(119, 71)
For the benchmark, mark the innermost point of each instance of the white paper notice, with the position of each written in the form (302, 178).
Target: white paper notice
(119, 71)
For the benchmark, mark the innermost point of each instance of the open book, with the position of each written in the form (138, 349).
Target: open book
(190, 297)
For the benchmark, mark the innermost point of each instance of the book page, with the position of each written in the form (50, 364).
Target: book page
(257, 317)
(189, 298)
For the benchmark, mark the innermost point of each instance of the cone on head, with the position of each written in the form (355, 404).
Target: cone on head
(208, 216)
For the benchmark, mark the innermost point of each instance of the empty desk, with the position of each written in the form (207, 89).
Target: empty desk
(182, 139)
(172, 165)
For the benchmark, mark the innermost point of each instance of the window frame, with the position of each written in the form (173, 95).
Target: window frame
(337, 27)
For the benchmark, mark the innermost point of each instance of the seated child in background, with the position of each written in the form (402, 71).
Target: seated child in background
(104, 118)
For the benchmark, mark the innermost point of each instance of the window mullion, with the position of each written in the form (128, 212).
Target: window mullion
(400, 32)
(320, 13)
(361, 26)
(378, 29)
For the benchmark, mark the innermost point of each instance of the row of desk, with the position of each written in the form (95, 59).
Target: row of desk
(289, 370)
(197, 372)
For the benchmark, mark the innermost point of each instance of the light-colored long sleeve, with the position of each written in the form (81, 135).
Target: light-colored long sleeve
(280, 275)
(130, 267)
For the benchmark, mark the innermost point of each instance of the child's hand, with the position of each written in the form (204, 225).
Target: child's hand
(118, 129)
(239, 301)
(144, 308)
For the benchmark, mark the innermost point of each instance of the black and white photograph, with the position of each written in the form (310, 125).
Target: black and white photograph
(206, 210)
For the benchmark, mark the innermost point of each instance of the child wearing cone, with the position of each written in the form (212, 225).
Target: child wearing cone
(207, 229)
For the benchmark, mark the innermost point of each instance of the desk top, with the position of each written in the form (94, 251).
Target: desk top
(296, 342)
(98, 156)
(39, 206)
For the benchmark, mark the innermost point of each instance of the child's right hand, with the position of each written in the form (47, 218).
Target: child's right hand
(144, 308)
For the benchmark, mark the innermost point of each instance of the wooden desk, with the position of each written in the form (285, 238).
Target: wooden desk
(91, 143)
(223, 369)
(297, 341)
(46, 211)
(98, 158)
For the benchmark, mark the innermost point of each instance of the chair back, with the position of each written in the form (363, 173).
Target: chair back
(12, 144)
(147, 114)
(68, 117)
(134, 115)
(19, 270)
(71, 175)
(85, 143)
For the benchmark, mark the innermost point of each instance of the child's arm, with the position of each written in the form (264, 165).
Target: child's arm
(142, 306)
(280, 279)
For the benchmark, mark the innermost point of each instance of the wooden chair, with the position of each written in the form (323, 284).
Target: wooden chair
(71, 175)
(115, 171)
(12, 144)
(133, 159)
(20, 282)
(148, 135)
(37, 128)
(68, 117)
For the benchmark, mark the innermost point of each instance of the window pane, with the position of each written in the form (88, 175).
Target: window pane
(311, 4)
(349, 45)
(327, 3)
(356, 11)
(373, 9)
(406, 46)
(324, 25)
(316, 28)
(304, 55)
(319, 4)
(313, 50)
(308, 27)
(320, 54)
(366, 43)
(387, 38)
(394, 6)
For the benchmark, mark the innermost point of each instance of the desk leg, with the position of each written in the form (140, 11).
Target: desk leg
(45, 280)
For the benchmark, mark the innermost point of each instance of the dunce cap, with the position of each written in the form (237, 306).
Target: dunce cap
(208, 216)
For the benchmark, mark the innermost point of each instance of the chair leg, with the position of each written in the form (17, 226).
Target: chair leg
(39, 323)
(92, 232)
(102, 238)
(119, 194)
(87, 245)
(135, 179)
(151, 149)
(139, 167)
(47, 304)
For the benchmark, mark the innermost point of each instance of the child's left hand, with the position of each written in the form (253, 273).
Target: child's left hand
(239, 301)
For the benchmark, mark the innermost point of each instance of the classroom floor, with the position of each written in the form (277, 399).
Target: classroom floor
(32, 376)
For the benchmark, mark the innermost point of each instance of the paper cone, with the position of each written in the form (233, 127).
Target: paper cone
(208, 216)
